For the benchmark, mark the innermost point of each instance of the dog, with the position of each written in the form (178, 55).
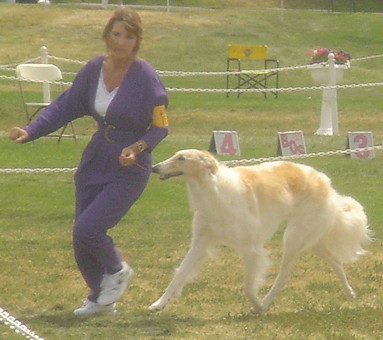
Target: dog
(242, 207)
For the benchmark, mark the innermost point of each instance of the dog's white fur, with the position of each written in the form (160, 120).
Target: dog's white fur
(242, 207)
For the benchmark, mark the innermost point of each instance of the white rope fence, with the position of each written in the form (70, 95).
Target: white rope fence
(346, 152)
(36, 170)
(11, 67)
(15, 325)
(227, 163)
(222, 90)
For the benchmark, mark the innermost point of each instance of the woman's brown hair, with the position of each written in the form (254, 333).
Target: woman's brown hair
(131, 20)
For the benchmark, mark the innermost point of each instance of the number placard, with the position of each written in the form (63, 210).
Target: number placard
(360, 140)
(224, 143)
(291, 143)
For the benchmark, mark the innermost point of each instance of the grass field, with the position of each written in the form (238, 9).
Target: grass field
(39, 282)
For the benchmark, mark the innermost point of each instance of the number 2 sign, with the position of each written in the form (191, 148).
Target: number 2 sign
(291, 143)
(360, 140)
(224, 143)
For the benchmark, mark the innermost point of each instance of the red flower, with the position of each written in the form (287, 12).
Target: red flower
(320, 55)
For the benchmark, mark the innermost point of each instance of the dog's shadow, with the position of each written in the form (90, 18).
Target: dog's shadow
(305, 322)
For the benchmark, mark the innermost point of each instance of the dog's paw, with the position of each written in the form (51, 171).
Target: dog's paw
(156, 307)
(351, 294)
(258, 307)
(257, 310)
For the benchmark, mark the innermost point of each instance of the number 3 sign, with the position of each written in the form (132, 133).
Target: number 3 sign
(224, 143)
(360, 140)
(291, 143)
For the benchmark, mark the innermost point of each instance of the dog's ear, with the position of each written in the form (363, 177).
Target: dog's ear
(210, 162)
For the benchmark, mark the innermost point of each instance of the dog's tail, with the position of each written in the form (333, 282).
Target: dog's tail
(350, 232)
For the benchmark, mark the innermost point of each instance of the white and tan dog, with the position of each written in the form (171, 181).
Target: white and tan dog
(242, 207)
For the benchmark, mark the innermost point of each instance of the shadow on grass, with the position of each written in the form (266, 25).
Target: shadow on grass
(363, 321)
(137, 324)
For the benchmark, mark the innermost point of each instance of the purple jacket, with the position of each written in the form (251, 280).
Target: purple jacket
(129, 114)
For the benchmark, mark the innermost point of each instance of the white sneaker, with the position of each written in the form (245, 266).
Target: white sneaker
(114, 285)
(90, 307)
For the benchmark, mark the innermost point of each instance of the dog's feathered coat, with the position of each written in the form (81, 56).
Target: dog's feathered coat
(243, 207)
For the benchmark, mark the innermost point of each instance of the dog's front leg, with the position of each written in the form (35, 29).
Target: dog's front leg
(256, 263)
(184, 273)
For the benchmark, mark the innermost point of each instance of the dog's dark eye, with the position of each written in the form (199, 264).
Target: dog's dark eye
(181, 158)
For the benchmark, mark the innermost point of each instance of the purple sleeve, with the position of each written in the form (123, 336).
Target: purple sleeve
(70, 105)
(154, 136)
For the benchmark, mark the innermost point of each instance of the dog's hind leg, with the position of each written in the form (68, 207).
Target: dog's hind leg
(293, 246)
(194, 257)
(256, 263)
(338, 269)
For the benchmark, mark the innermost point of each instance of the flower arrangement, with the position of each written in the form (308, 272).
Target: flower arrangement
(320, 55)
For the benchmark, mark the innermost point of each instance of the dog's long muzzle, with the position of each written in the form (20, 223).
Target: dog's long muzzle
(155, 169)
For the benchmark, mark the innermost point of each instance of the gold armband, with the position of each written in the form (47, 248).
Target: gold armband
(159, 117)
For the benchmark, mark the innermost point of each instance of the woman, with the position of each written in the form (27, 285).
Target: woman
(125, 96)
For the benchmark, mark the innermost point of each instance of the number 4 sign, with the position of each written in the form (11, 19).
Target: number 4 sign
(224, 143)
(360, 140)
(291, 143)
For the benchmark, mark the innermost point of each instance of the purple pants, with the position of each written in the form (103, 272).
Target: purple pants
(99, 208)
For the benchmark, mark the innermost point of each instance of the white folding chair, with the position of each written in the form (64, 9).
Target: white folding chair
(46, 75)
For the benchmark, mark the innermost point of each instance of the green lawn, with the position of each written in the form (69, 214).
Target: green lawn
(39, 282)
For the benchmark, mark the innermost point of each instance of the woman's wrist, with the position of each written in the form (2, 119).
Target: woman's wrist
(141, 146)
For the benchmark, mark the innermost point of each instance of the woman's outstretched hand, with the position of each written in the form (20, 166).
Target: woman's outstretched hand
(19, 135)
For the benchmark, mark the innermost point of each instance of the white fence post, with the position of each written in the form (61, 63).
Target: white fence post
(46, 86)
(333, 95)
(44, 55)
